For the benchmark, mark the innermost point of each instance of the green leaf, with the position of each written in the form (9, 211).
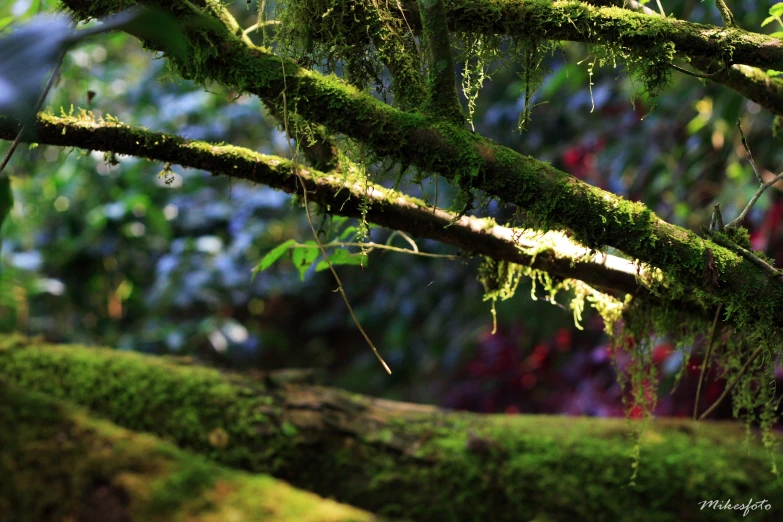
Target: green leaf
(341, 257)
(777, 34)
(773, 73)
(777, 9)
(5, 21)
(304, 257)
(6, 199)
(768, 20)
(272, 256)
(347, 232)
(288, 429)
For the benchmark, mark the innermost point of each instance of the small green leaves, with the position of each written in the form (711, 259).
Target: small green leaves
(273, 255)
(775, 12)
(307, 254)
(342, 257)
(304, 256)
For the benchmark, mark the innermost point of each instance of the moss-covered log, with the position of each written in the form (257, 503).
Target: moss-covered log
(406, 460)
(58, 464)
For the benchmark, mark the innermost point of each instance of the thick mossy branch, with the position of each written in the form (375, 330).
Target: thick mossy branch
(443, 100)
(552, 198)
(343, 193)
(638, 36)
(405, 460)
(59, 464)
(581, 22)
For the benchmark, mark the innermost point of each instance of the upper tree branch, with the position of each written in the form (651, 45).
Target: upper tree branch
(607, 23)
(581, 22)
(551, 197)
(443, 100)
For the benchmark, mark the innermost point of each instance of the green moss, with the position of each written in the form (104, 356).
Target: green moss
(68, 466)
(422, 465)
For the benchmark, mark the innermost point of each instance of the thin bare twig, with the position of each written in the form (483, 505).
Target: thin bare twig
(731, 385)
(762, 186)
(371, 246)
(704, 76)
(315, 233)
(38, 106)
(706, 362)
(660, 8)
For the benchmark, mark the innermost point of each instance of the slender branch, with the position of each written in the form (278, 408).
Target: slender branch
(703, 76)
(370, 246)
(340, 285)
(762, 186)
(343, 194)
(706, 362)
(731, 385)
(745, 253)
(725, 13)
(443, 100)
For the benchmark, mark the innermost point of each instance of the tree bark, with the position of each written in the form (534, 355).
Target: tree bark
(551, 198)
(405, 460)
(58, 464)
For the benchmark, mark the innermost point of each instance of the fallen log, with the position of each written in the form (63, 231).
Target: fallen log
(405, 460)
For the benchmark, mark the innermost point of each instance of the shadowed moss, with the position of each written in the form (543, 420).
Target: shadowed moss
(59, 464)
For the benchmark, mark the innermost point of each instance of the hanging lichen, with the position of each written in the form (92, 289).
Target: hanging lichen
(530, 55)
(478, 53)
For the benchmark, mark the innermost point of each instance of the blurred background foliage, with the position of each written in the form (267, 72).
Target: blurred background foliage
(129, 253)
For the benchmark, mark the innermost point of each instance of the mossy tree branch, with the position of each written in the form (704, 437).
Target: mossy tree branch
(58, 463)
(552, 198)
(405, 460)
(341, 193)
(605, 22)
(443, 100)
(581, 22)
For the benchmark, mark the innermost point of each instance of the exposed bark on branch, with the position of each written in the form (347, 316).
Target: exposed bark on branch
(399, 459)
(551, 197)
(58, 464)
(342, 193)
